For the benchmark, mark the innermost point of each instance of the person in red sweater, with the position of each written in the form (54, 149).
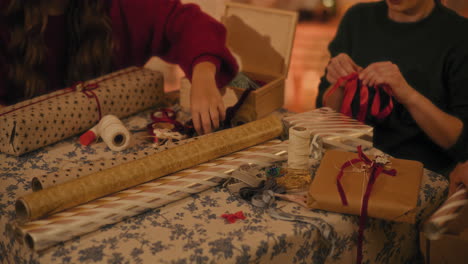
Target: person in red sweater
(50, 44)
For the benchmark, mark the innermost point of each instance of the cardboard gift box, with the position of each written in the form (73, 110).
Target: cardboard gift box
(392, 198)
(262, 40)
(46, 119)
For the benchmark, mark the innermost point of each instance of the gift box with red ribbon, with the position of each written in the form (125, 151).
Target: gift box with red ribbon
(368, 186)
(345, 180)
(49, 118)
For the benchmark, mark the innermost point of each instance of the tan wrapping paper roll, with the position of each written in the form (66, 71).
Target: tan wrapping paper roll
(85, 189)
(106, 160)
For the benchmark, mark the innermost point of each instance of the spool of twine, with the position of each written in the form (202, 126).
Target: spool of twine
(298, 175)
(113, 133)
(299, 148)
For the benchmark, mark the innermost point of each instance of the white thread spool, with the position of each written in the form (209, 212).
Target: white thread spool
(113, 133)
(299, 148)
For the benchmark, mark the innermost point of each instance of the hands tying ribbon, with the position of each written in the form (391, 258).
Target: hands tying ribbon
(352, 84)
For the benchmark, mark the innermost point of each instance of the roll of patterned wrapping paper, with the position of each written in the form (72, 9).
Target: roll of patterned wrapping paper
(439, 222)
(99, 184)
(76, 169)
(47, 119)
(330, 129)
(44, 233)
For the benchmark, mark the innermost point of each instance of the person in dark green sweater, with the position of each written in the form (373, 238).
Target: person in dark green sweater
(419, 48)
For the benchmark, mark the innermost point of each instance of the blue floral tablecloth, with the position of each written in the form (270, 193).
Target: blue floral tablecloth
(192, 230)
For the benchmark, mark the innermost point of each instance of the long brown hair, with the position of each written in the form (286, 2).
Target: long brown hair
(89, 43)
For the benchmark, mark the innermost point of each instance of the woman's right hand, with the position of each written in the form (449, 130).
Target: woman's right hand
(339, 66)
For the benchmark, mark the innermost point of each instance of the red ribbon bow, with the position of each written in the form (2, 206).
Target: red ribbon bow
(164, 115)
(232, 218)
(87, 89)
(376, 169)
(351, 84)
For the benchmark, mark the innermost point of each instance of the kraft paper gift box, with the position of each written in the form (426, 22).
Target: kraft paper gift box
(46, 119)
(392, 198)
(262, 40)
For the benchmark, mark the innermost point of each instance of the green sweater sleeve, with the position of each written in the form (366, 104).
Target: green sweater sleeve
(457, 82)
(341, 43)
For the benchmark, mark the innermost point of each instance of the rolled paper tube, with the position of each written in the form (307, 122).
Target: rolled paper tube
(63, 226)
(93, 186)
(71, 111)
(78, 168)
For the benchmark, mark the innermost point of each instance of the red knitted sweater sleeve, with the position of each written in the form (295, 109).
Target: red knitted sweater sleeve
(178, 33)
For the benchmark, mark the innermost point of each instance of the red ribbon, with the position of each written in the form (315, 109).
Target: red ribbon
(232, 218)
(167, 116)
(87, 89)
(376, 169)
(351, 84)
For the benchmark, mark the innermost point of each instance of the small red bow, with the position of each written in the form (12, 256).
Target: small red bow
(232, 218)
(87, 90)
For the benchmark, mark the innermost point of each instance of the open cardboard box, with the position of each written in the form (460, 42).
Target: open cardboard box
(262, 40)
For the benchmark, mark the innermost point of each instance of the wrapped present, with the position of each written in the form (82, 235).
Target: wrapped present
(331, 130)
(47, 119)
(375, 186)
(394, 191)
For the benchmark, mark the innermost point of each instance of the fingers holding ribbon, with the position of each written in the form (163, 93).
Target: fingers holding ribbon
(340, 66)
(389, 76)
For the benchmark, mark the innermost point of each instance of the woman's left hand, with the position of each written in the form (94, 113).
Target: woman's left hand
(388, 73)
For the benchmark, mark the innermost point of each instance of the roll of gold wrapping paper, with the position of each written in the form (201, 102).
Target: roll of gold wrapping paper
(93, 186)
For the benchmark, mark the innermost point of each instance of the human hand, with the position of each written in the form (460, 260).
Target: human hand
(388, 73)
(339, 66)
(458, 176)
(206, 104)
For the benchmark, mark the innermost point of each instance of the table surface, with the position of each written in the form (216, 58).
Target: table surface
(192, 231)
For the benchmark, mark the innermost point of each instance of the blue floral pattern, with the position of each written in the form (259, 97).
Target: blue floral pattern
(192, 231)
